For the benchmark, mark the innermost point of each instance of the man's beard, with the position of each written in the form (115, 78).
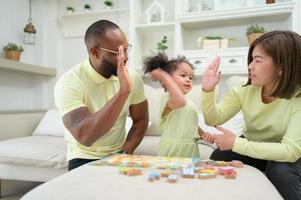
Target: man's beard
(108, 68)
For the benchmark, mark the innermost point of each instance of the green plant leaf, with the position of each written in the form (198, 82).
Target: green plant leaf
(255, 29)
(13, 47)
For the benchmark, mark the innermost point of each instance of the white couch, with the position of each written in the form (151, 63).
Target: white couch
(37, 156)
(41, 156)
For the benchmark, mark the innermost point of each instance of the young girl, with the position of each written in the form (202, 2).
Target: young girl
(271, 105)
(178, 115)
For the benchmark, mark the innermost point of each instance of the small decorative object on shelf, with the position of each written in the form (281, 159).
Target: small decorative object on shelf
(29, 36)
(254, 31)
(162, 45)
(109, 4)
(199, 42)
(155, 12)
(215, 42)
(13, 51)
(87, 7)
(70, 9)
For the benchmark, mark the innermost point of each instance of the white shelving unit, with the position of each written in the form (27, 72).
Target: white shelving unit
(14, 66)
(186, 22)
(75, 24)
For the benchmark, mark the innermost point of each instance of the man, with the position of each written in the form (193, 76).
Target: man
(94, 97)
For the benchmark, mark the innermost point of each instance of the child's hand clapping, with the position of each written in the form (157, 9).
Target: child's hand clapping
(207, 137)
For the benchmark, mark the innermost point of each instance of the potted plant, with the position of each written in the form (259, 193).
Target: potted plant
(13, 51)
(70, 9)
(108, 3)
(270, 1)
(254, 31)
(87, 7)
(162, 44)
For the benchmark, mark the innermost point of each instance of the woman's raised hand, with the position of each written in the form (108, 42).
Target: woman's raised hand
(211, 75)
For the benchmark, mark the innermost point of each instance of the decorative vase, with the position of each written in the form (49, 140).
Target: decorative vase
(253, 36)
(13, 55)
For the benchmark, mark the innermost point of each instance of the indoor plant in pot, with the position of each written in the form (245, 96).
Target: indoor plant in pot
(254, 31)
(13, 51)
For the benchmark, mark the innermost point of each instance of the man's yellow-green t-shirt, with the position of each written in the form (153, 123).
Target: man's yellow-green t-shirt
(82, 86)
(179, 130)
(272, 131)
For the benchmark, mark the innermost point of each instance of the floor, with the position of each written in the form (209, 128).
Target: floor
(14, 190)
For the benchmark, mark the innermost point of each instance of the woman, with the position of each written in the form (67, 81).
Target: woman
(271, 105)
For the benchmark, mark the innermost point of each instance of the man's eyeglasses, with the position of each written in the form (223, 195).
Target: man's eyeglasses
(126, 50)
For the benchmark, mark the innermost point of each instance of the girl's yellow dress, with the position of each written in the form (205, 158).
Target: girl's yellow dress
(179, 130)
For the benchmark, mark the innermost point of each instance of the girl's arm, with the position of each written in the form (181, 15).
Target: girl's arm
(176, 96)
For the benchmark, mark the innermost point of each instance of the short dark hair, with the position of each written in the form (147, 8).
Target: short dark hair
(160, 60)
(97, 30)
(284, 47)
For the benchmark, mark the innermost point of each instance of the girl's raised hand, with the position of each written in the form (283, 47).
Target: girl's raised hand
(156, 73)
(211, 75)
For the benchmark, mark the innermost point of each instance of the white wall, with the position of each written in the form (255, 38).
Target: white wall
(73, 47)
(52, 49)
(20, 91)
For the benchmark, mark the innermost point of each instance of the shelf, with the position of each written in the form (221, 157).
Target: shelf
(9, 65)
(93, 13)
(233, 60)
(75, 24)
(202, 51)
(247, 12)
(154, 27)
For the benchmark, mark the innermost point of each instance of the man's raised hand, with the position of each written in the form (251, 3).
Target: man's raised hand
(123, 73)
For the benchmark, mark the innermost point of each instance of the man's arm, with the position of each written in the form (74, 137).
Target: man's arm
(87, 127)
(139, 115)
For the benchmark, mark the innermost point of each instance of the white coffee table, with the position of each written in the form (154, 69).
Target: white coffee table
(105, 182)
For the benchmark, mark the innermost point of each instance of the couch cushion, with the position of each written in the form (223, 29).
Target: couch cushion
(148, 146)
(51, 124)
(39, 151)
(153, 96)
